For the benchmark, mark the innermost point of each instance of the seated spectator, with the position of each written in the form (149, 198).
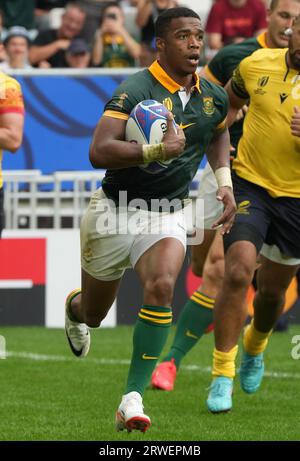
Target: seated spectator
(50, 45)
(231, 21)
(18, 13)
(16, 44)
(78, 55)
(147, 12)
(114, 46)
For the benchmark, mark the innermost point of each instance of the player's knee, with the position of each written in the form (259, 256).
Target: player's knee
(239, 274)
(160, 289)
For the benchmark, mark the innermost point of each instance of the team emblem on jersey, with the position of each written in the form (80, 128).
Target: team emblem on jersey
(208, 105)
(168, 104)
(261, 83)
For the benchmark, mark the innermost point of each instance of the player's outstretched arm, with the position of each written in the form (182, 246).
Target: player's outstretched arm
(109, 149)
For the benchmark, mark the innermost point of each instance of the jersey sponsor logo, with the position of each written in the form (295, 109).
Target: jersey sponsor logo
(183, 127)
(243, 207)
(283, 97)
(148, 357)
(209, 105)
(167, 102)
(261, 83)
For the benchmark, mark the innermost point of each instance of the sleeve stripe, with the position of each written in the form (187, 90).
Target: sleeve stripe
(114, 114)
(238, 91)
(211, 76)
(16, 110)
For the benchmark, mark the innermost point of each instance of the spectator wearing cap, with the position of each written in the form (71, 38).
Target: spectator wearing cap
(114, 46)
(230, 21)
(16, 45)
(50, 45)
(78, 55)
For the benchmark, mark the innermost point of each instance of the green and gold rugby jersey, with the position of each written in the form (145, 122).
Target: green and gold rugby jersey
(204, 113)
(115, 53)
(221, 67)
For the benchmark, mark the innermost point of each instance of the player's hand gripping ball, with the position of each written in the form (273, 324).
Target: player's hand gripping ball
(147, 124)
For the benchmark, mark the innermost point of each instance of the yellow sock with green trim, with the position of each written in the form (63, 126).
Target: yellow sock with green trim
(255, 341)
(224, 363)
(196, 316)
(150, 335)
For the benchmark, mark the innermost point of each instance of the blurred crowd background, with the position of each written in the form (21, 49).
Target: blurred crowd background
(104, 33)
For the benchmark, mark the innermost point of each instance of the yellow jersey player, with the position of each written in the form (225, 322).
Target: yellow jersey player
(208, 257)
(266, 182)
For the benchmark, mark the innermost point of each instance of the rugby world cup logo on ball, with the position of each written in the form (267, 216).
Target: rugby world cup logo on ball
(147, 124)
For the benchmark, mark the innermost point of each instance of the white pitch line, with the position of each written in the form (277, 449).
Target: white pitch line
(63, 358)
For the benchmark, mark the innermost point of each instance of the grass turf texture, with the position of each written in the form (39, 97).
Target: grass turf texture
(73, 399)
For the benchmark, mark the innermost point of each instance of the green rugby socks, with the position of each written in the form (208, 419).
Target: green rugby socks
(150, 334)
(194, 319)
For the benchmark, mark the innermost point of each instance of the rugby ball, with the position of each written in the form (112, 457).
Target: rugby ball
(147, 124)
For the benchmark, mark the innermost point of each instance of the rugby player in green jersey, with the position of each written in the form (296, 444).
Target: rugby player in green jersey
(136, 177)
(208, 258)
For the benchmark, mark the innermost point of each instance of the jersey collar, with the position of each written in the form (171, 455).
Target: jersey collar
(261, 38)
(165, 80)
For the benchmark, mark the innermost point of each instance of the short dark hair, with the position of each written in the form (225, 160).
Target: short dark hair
(163, 21)
(274, 3)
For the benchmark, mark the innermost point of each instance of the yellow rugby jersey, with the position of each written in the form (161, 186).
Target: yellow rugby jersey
(268, 154)
(11, 100)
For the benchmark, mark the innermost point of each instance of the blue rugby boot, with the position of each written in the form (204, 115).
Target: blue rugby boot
(251, 372)
(220, 396)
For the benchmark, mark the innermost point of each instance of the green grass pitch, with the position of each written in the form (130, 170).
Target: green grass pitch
(46, 394)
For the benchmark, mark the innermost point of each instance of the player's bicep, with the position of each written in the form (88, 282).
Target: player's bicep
(109, 128)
